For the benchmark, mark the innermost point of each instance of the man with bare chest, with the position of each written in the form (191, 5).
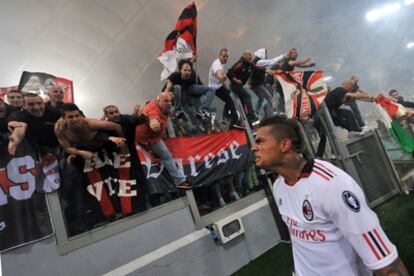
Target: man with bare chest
(83, 136)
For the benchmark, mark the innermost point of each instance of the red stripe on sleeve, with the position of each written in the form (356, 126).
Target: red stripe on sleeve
(321, 175)
(382, 242)
(320, 164)
(371, 247)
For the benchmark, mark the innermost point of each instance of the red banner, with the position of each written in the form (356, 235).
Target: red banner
(205, 159)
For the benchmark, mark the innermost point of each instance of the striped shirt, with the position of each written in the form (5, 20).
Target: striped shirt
(333, 230)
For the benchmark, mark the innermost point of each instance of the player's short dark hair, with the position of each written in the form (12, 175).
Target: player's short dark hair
(184, 61)
(69, 107)
(283, 128)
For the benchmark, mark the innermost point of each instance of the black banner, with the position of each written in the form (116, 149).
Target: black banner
(24, 214)
(111, 180)
(205, 159)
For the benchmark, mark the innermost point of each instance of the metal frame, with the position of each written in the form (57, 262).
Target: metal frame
(338, 147)
(203, 221)
(341, 150)
(388, 166)
(67, 244)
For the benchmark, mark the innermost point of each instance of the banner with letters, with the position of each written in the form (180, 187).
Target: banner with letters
(24, 214)
(205, 159)
(110, 181)
(303, 92)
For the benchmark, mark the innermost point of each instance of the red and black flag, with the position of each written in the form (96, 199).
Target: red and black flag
(205, 159)
(181, 43)
(303, 91)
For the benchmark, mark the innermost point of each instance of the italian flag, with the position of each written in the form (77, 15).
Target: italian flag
(394, 112)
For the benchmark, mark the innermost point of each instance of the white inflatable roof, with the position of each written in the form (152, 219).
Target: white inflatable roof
(109, 47)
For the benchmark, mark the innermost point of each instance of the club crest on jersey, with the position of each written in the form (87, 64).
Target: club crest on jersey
(351, 201)
(307, 210)
(280, 201)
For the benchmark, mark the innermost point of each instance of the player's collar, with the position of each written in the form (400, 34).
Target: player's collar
(307, 169)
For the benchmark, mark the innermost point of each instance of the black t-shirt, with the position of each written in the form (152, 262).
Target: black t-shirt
(53, 113)
(285, 66)
(3, 121)
(129, 123)
(175, 78)
(3, 126)
(334, 99)
(39, 129)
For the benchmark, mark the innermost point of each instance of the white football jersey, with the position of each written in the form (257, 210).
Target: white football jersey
(333, 230)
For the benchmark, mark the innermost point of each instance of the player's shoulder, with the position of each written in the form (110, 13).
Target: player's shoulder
(333, 178)
(324, 170)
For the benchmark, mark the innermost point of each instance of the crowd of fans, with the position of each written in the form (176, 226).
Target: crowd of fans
(62, 129)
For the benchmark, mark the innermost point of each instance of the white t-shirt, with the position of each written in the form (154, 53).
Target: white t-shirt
(333, 230)
(213, 81)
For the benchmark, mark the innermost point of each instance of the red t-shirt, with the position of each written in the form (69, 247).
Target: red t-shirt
(143, 133)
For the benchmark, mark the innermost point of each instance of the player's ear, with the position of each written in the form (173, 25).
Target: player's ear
(286, 145)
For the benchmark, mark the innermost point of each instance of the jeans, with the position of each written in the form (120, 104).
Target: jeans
(344, 118)
(354, 107)
(281, 105)
(318, 125)
(224, 94)
(199, 95)
(244, 96)
(176, 172)
(206, 93)
(263, 94)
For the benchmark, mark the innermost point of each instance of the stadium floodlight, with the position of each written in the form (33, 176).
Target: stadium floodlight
(373, 15)
(408, 2)
(327, 78)
(410, 45)
(376, 14)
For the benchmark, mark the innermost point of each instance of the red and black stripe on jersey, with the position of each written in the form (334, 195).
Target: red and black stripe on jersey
(376, 244)
(323, 171)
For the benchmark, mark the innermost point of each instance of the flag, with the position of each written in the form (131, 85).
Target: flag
(394, 112)
(24, 213)
(40, 83)
(303, 91)
(205, 159)
(181, 42)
